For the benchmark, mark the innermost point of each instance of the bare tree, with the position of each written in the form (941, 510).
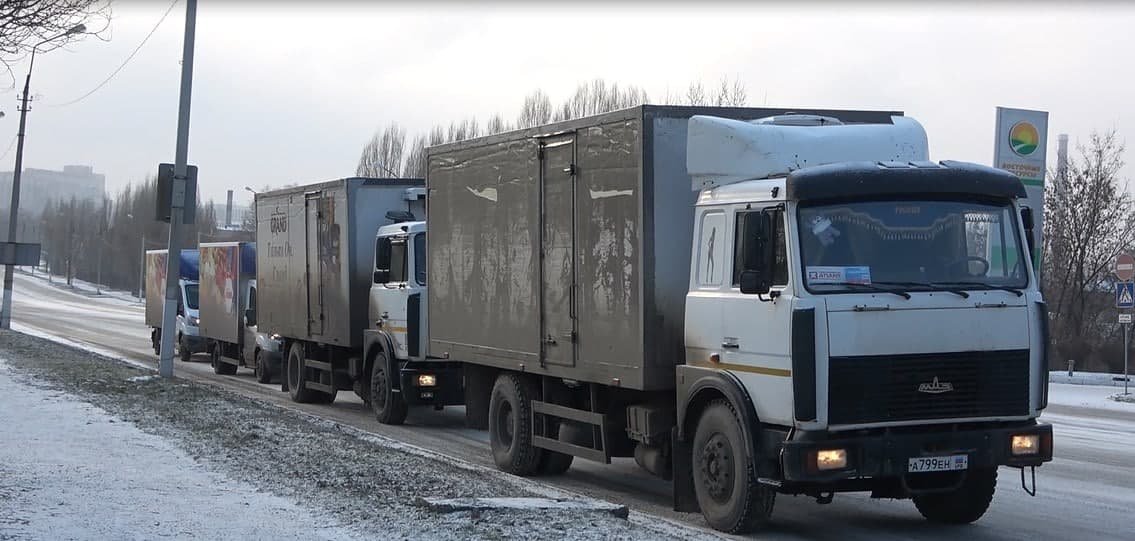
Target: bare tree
(695, 94)
(1089, 219)
(415, 166)
(730, 93)
(496, 125)
(536, 111)
(382, 156)
(597, 97)
(26, 23)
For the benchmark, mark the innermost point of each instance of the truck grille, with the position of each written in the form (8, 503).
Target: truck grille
(888, 388)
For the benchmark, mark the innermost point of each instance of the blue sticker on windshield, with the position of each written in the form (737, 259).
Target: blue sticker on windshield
(836, 275)
(858, 275)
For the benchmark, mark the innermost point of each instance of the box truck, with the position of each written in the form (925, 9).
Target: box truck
(318, 292)
(188, 340)
(228, 311)
(748, 302)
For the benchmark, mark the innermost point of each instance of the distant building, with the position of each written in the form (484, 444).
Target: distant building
(38, 186)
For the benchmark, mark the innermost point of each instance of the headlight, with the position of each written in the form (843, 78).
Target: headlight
(427, 380)
(831, 459)
(194, 321)
(275, 337)
(1025, 444)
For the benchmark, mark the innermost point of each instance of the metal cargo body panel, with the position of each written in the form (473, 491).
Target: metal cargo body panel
(625, 199)
(156, 280)
(482, 246)
(222, 281)
(315, 258)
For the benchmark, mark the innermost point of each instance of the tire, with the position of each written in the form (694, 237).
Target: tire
(389, 407)
(183, 349)
(725, 481)
(221, 367)
(510, 425)
(297, 386)
(263, 373)
(553, 463)
(964, 505)
(156, 341)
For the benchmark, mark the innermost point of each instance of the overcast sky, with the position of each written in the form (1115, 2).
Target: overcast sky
(290, 93)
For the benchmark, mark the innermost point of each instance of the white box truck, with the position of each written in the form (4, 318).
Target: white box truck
(825, 311)
(188, 340)
(228, 311)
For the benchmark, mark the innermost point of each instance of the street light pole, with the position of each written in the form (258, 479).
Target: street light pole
(14, 209)
(177, 208)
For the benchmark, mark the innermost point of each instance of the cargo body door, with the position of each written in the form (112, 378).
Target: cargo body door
(558, 258)
(315, 223)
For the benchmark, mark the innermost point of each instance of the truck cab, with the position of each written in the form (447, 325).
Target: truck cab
(188, 339)
(401, 374)
(872, 324)
(261, 350)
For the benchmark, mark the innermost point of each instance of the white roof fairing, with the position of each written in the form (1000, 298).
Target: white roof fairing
(722, 151)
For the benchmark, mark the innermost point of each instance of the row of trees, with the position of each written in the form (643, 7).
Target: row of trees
(103, 241)
(390, 154)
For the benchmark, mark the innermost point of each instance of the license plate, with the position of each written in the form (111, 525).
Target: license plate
(938, 463)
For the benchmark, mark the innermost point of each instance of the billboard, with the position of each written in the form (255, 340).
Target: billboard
(1021, 148)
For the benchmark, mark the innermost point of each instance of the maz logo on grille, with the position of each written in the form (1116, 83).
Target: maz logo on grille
(935, 387)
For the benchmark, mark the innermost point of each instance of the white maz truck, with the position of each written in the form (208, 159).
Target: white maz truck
(825, 311)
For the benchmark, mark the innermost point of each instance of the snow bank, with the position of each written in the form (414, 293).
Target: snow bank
(1087, 378)
(1088, 396)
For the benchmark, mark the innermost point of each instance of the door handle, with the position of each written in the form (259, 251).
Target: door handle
(730, 345)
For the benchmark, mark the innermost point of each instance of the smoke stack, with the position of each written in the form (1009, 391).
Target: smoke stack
(229, 210)
(1062, 155)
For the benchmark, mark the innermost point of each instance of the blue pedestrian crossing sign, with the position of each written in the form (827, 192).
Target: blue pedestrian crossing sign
(1125, 294)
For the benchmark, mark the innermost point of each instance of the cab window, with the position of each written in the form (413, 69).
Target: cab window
(745, 252)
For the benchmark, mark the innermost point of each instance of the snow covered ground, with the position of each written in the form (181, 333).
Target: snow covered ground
(1089, 378)
(83, 287)
(1089, 396)
(95, 449)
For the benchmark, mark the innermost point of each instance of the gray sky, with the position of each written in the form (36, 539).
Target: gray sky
(290, 93)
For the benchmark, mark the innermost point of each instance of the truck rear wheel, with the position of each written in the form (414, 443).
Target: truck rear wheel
(964, 505)
(389, 406)
(297, 382)
(725, 478)
(220, 366)
(510, 425)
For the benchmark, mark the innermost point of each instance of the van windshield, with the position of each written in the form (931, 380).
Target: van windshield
(191, 296)
(911, 245)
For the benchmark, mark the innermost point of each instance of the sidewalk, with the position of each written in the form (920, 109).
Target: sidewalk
(70, 471)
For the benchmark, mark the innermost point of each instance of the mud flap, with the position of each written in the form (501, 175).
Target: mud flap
(685, 500)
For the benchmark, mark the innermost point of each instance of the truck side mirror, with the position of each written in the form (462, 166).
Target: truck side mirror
(1030, 236)
(381, 276)
(752, 283)
(250, 317)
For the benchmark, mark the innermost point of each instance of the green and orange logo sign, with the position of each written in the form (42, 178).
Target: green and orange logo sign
(1023, 138)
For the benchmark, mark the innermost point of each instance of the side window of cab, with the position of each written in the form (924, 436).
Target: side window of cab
(760, 244)
(711, 249)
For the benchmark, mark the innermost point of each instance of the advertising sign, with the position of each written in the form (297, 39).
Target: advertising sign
(1020, 148)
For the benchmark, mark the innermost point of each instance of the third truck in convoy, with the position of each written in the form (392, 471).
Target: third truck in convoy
(747, 302)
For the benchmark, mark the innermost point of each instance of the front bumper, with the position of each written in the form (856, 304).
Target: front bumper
(887, 453)
(448, 391)
(196, 343)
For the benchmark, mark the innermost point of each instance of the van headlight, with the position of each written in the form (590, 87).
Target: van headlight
(193, 321)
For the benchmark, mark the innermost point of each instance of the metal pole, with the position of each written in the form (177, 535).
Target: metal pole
(6, 308)
(1126, 346)
(142, 271)
(181, 159)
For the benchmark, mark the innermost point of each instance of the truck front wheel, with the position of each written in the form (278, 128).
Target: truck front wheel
(183, 349)
(389, 407)
(510, 425)
(963, 505)
(297, 382)
(263, 372)
(725, 478)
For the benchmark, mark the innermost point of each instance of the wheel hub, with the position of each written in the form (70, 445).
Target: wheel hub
(716, 467)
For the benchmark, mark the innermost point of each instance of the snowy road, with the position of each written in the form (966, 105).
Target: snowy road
(1088, 492)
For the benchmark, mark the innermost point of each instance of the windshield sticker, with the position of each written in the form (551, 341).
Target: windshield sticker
(835, 275)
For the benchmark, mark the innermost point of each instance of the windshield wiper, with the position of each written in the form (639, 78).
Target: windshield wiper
(985, 287)
(871, 287)
(931, 286)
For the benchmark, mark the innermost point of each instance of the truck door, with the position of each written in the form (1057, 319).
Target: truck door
(557, 268)
(314, 276)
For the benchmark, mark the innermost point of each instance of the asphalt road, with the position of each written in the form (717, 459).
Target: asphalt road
(1087, 492)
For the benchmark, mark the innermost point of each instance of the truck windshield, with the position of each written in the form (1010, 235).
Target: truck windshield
(911, 245)
(191, 296)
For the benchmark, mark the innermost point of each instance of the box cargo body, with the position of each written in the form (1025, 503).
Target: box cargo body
(609, 203)
(225, 269)
(315, 255)
(156, 281)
